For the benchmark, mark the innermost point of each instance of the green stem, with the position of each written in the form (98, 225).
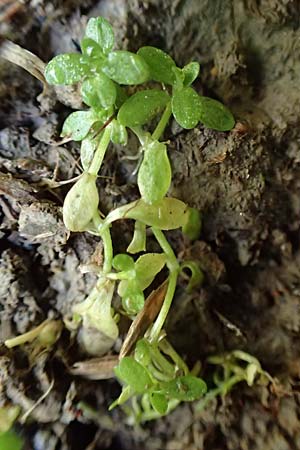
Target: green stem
(162, 123)
(107, 243)
(172, 262)
(159, 322)
(100, 152)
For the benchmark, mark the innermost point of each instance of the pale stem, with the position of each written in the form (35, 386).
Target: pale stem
(162, 123)
(100, 152)
(107, 243)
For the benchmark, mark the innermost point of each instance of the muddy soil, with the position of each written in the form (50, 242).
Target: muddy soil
(245, 182)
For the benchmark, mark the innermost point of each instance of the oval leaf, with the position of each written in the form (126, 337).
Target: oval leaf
(100, 30)
(192, 228)
(126, 68)
(66, 69)
(168, 214)
(190, 71)
(123, 262)
(81, 203)
(78, 124)
(99, 91)
(186, 107)
(215, 115)
(154, 177)
(133, 374)
(91, 49)
(142, 106)
(160, 64)
(186, 388)
(159, 402)
(147, 267)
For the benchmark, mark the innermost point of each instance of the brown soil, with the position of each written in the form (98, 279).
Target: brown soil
(245, 183)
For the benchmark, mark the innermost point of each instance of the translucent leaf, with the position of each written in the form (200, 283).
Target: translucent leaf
(98, 91)
(186, 107)
(192, 228)
(81, 203)
(161, 65)
(186, 388)
(169, 214)
(215, 115)
(190, 71)
(133, 374)
(138, 243)
(66, 69)
(142, 352)
(87, 150)
(142, 106)
(154, 177)
(91, 49)
(147, 267)
(78, 124)
(126, 68)
(118, 133)
(100, 30)
(95, 310)
(123, 262)
(133, 298)
(159, 402)
(10, 441)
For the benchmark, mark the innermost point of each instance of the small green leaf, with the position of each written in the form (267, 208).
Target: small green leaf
(87, 150)
(215, 115)
(186, 388)
(147, 267)
(133, 374)
(98, 91)
(192, 228)
(118, 133)
(142, 107)
(10, 441)
(123, 262)
(66, 69)
(78, 124)
(142, 352)
(168, 214)
(155, 174)
(100, 30)
(159, 402)
(190, 71)
(138, 243)
(81, 203)
(186, 107)
(126, 393)
(91, 49)
(133, 298)
(161, 65)
(126, 68)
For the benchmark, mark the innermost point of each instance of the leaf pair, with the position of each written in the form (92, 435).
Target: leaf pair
(97, 56)
(137, 277)
(154, 177)
(189, 108)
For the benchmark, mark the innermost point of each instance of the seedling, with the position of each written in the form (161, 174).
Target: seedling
(154, 377)
(155, 372)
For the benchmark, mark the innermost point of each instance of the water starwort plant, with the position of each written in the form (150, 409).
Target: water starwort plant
(154, 376)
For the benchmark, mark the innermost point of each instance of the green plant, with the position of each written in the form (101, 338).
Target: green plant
(155, 372)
